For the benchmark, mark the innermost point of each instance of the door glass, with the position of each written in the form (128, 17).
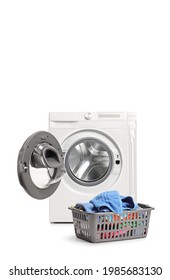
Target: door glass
(89, 161)
(43, 164)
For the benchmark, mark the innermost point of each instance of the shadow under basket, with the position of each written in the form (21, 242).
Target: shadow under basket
(109, 226)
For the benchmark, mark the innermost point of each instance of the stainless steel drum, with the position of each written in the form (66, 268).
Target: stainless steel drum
(89, 161)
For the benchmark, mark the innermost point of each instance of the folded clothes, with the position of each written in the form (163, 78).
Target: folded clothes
(110, 201)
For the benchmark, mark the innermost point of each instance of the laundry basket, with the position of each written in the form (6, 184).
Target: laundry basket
(109, 226)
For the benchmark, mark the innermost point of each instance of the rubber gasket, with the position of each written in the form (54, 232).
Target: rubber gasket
(24, 158)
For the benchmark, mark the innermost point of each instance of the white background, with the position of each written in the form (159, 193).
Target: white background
(83, 56)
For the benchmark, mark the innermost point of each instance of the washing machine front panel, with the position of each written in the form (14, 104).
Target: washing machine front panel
(117, 132)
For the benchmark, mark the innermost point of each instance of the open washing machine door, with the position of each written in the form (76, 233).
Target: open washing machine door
(40, 165)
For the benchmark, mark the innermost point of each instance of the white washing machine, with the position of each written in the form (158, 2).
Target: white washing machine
(83, 155)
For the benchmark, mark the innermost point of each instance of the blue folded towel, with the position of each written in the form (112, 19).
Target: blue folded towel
(110, 201)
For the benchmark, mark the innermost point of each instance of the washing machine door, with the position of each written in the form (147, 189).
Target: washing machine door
(40, 165)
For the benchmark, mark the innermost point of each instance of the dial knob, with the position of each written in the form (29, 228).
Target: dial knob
(88, 116)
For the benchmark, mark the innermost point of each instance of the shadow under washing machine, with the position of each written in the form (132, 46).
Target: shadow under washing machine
(83, 155)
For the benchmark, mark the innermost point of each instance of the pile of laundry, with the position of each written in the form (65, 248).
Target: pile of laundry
(110, 201)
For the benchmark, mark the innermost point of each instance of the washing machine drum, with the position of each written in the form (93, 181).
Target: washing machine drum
(41, 163)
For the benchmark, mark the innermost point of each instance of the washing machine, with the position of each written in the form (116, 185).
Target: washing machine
(82, 155)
